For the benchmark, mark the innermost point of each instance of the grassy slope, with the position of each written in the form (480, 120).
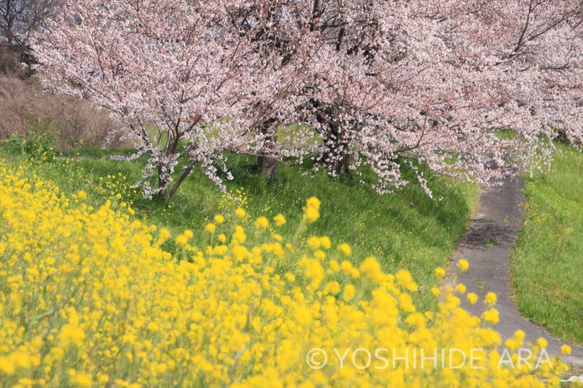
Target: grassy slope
(403, 230)
(548, 264)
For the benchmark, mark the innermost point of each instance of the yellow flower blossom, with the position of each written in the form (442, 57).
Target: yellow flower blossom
(346, 267)
(325, 242)
(314, 243)
(181, 240)
(349, 292)
(89, 297)
(82, 380)
(320, 254)
(490, 299)
(345, 249)
(71, 335)
(7, 366)
(519, 335)
(279, 220)
(163, 235)
(332, 287)
(371, 268)
(492, 316)
(463, 265)
(403, 277)
(261, 223)
(312, 210)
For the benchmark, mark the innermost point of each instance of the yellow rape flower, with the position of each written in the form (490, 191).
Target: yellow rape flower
(332, 288)
(71, 335)
(134, 315)
(491, 316)
(349, 292)
(345, 249)
(82, 380)
(460, 288)
(261, 223)
(7, 366)
(163, 235)
(371, 268)
(490, 299)
(463, 265)
(312, 210)
(325, 242)
(314, 243)
(279, 220)
(181, 240)
(403, 277)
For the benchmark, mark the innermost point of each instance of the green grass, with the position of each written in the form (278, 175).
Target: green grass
(492, 241)
(97, 151)
(15, 147)
(403, 230)
(547, 268)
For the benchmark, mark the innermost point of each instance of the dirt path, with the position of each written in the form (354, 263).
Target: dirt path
(488, 245)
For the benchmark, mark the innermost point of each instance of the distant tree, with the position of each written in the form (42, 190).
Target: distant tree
(18, 21)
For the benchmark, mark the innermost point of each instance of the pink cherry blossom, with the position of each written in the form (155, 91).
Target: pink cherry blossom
(371, 84)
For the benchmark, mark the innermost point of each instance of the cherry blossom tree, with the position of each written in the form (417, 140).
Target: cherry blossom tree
(279, 33)
(432, 82)
(190, 79)
(386, 91)
(358, 84)
(174, 72)
(532, 49)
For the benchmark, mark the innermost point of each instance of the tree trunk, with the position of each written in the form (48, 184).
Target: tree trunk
(266, 163)
(267, 167)
(163, 184)
(170, 189)
(341, 167)
(336, 156)
(337, 161)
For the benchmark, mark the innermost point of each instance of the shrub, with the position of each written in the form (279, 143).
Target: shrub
(10, 64)
(90, 297)
(14, 145)
(72, 123)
